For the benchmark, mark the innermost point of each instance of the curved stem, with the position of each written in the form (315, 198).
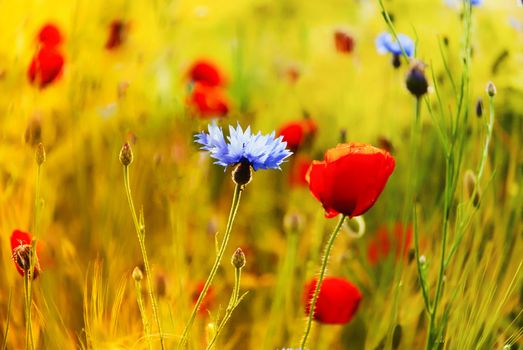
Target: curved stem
(324, 262)
(217, 261)
(140, 231)
(139, 300)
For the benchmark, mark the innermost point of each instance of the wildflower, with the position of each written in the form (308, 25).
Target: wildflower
(49, 35)
(206, 73)
(45, 67)
(208, 102)
(344, 42)
(21, 247)
(416, 81)
(350, 179)
(337, 301)
(297, 133)
(208, 300)
(256, 150)
(386, 43)
(476, 2)
(117, 34)
(380, 246)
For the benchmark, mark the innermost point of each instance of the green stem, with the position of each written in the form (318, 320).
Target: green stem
(232, 214)
(29, 342)
(232, 304)
(324, 262)
(140, 231)
(139, 299)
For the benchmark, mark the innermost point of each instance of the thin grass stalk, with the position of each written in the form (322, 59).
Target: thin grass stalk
(232, 214)
(140, 231)
(323, 268)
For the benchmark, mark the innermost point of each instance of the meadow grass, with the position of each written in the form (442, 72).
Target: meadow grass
(461, 288)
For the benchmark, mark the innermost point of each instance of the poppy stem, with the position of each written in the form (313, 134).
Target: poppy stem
(29, 342)
(140, 231)
(232, 214)
(323, 268)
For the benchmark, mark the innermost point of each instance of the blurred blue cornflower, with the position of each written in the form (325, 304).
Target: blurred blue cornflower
(386, 43)
(457, 3)
(257, 150)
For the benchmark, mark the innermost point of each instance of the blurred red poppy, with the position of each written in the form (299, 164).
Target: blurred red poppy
(50, 35)
(21, 253)
(344, 42)
(337, 301)
(380, 246)
(208, 300)
(45, 67)
(207, 73)
(208, 102)
(299, 168)
(350, 179)
(117, 34)
(296, 133)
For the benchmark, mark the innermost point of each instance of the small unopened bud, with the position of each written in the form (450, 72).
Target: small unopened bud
(126, 155)
(396, 61)
(479, 107)
(293, 222)
(343, 135)
(416, 81)
(238, 259)
(33, 132)
(470, 183)
(137, 274)
(242, 174)
(491, 89)
(40, 154)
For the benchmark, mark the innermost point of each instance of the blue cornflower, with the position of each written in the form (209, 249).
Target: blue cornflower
(256, 150)
(476, 2)
(385, 43)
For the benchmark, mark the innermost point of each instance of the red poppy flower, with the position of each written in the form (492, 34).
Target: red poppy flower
(380, 246)
(208, 300)
(296, 133)
(45, 67)
(337, 301)
(298, 175)
(344, 42)
(207, 73)
(117, 34)
(21, 253)
(350, 179)
(208, 102)
(50, 35)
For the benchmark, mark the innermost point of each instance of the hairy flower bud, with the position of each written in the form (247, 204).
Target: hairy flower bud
(491, 89)
(126, 154)
(479, 107)
(137, 274)
(238, 259)
(416, 81)
(40, 154)
(293, 222)
(470, 182)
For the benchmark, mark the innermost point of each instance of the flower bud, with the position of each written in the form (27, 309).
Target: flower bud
(137, 274)
(416, 81)
(238, 259)
(293, 222)
(479, 107)
(396, 61)
(126, 155)
(33, 132)
(40, 154)
(242, 174)
(491, 89)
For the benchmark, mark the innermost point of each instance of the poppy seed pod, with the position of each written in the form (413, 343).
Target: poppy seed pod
(416, 80)
(126, 154)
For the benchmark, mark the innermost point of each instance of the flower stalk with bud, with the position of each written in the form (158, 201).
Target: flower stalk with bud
(126, 158)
